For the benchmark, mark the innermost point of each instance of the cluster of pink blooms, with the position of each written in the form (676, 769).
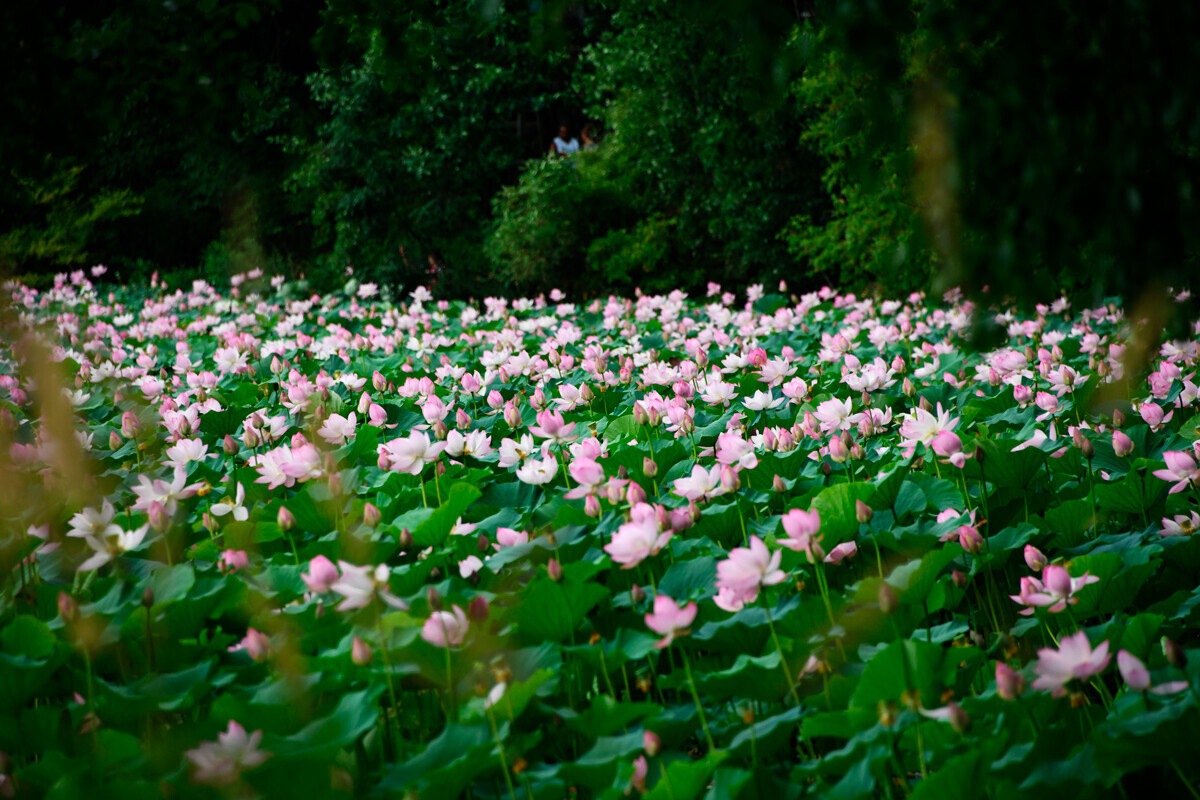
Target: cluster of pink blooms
(535, 372)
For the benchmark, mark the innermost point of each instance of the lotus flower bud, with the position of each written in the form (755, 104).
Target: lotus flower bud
(114, 440)
(907, 387)
(777, 485)
(730, 481)
(131, 426)
(360, 652)
(1010, 684)
(863, 512)
(478, 609)
(439, 429)
(856, 452)
(1035, 559)
(160, 521)
(649, 467)
(959, 720)
(378, 382)
(826, 470)
(1173, 653)
(636, 594)
(555, 570)
(959, 579)
(482, 544)
(285, 519)
(257, 645)
(148, 597)
(1122, 444)
(634, 494)
(495, 400)
(838, 450)
(462, 419)
(433, 598)
(888, 602)
(68, 607)
(651, 743)
(277, 366)
(405, 538)
(969, 538)
(591, 506)
(512, 416)
(371, 515)
(1118, 418)
(538, 399)
(979, 455)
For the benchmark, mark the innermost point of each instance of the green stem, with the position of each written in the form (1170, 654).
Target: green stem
(1191, 789)
(387, 671)
(687, 666)
(500, 750)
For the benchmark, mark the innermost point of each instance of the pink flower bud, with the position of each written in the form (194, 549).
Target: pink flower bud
(478, 609)
(730, 482)
(360, 652)
(68, 607)
(512, 416)
(636, 594)
(838, 450)
(651, 743)
(114, 440)
(1035, 559)
(778, 485)
(863, 512)
(1133, 671)
(946, 444)
(969, 538)
(591, 506)
(285, 519)
(378, 382)
(462, 419)
(130, 425)
(555, 570)
(322, 573)
(495, 400)
(257, 645)
(229, 445)
(371, 515)
(635, 494)
(1122, 444)
(159, 519)
(649, 467)
(888, 602)
(1173, 653)
(959, 579)
(233, 560)
(1010, 684)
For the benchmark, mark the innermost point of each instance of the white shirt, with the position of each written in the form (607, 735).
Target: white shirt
(566, 147)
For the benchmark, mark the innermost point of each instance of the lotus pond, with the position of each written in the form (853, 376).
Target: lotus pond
(257, 543)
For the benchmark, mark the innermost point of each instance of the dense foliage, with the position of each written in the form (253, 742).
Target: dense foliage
(263, 543)
(863, 144)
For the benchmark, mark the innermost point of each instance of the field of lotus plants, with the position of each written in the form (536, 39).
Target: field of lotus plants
(259, 543)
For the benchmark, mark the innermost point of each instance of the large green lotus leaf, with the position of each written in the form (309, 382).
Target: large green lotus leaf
(516, 698)
(900, 666)
(694, 579)
(754, 678)
(1133, 494)
(354, 715)
(687, 780)
(606, 716)
(550, 610)
(963, 777)
(1002, 466)
(766, 736)
(124, 704)
(838, 510)
(626, 645)
(434, 530)
(1122, 576)
(31, 655)
(597, 767)
(452, 760)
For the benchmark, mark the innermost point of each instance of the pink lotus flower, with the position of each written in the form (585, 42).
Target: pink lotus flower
(802, 533)
(1137, 677)
(410, 454)
(747, 569)
(1074, 659)
(638, 539)
(702, 484)
(550, 425)
(1010, 684)
(1181, 468)
(446, 628)
(321, 575)
(1056, 589)
(222, 762)
(337, 429)
(256, 644)
(841, 552)
(233, 560)
(669, 619)
(360, 585)
(1181, 525)
(507, 537)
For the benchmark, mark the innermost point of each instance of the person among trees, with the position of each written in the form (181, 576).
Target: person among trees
(564, 146)
(586, 135)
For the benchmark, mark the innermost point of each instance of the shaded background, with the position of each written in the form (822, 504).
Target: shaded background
(1027, 147)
